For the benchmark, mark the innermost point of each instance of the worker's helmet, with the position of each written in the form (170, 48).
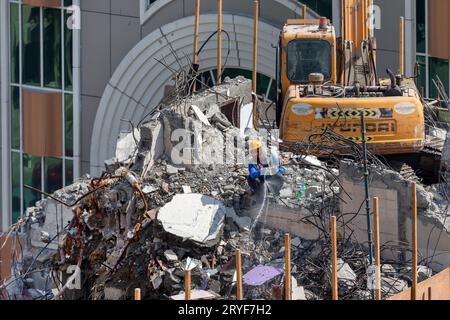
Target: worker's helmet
(255, 145)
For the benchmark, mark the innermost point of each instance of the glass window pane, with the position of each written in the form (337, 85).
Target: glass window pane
(52, 48)
(322, 7)
(67, 3)
(308, 56)
(69, 172)
(68, 116)
(68, 53)
(15, 186)
(422, 79)
(53, 175)
(421, 26)
(438, 67)
(15, 118)
(31, 45)
(32, 176)
(14, 38)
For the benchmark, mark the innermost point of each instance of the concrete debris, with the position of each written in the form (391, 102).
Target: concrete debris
(193, 216)
(197, 295)
(346, 276)
(148, 218)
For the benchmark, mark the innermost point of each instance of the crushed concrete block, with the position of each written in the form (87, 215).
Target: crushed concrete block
(197, 295)
(187, 189)
(170, 256)
(298, 292)
(296, 242)
(193, 216)
(346, 275)
(127, 145)
(244, 223)
(200, 115)
(112, 293)
(392, 285)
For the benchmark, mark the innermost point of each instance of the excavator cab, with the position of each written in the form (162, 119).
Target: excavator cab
(327, 83)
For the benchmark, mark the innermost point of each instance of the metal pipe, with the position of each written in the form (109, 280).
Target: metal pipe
(5, 116)
(219, 44)
(402, 46)
(414, 242)
(366, 187)
(334, 266)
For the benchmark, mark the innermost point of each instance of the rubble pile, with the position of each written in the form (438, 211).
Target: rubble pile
(146, 220)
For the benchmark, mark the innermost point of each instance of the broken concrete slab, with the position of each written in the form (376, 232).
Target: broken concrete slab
(193, 216)
(127, 145)
(197, 295)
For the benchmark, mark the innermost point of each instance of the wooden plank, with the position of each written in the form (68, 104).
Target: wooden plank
(376, 247)
(414, 243)
(219, 43)
(137, 294)
(435, 288)
(239, 287)
(287, 261)
(187, 285)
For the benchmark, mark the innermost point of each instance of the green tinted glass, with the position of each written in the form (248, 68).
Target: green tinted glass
(15, 118)
(15, 186)
(68, 116)
(438, 67)
(32, 176)
(52, 47)
(68, 53)
(31, 47)
(69, 172)
(421, 26)
(14, 40)
(53, 174)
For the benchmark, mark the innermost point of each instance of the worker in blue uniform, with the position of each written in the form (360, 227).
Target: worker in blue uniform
(265, 169)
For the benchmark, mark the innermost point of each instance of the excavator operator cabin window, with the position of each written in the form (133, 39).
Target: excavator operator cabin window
(306, 56)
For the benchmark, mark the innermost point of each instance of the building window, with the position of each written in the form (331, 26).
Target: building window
(438, 68)
(429, 67)
(421, 26)
(41, 59)
(323, 8)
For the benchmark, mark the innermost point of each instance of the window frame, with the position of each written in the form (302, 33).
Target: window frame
(72, 91)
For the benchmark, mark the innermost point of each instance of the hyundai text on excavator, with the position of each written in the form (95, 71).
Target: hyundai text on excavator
(326, 82)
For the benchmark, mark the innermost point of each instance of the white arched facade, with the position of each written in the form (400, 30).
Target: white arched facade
(138, 83)
(147, 12)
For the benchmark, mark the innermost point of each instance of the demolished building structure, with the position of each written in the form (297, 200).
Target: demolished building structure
(176, 197)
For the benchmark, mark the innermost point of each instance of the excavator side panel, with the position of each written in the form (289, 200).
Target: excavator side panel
(394, 124)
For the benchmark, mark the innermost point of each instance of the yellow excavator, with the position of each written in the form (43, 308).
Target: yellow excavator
(326, 82)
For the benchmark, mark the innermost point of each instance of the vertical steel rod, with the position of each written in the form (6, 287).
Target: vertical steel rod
(334, 265)
(367, 194)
